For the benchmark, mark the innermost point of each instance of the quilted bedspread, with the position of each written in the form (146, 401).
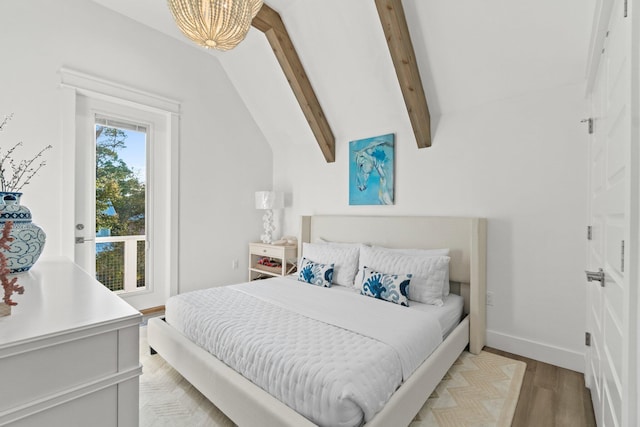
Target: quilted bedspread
(334, 357)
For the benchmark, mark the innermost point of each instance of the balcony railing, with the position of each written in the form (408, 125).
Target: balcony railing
(120, 262)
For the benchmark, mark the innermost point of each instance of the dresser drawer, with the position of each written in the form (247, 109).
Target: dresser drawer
(49, 370)
(96, 410)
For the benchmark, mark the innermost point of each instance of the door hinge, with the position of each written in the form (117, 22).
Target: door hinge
(587, 339)
(590, 122)
(589, 232)
(626, 7)
(622, 257)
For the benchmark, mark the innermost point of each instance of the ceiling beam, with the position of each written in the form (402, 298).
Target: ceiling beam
(396, 31)
(269, 22)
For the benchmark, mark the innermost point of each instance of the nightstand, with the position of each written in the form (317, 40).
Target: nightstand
(284, 255)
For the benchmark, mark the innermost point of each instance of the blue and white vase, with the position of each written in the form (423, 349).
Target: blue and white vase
(28, 238)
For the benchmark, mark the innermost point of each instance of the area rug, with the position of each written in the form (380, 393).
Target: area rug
(478, 391)
(168, 400)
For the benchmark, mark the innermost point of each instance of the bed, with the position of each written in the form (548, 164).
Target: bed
(248, 405)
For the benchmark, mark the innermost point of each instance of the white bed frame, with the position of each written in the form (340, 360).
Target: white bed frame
(248, 405)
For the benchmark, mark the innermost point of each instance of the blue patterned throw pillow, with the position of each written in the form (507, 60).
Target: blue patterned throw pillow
(389, 287)
(315, 273)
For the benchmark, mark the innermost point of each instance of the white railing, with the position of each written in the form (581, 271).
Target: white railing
(130, 258)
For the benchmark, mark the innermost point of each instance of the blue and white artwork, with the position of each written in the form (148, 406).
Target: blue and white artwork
(371, 170)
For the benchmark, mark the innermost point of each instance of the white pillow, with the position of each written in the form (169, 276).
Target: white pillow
(428, 272)
(330, 242)
(426, 252)
(379, 251)
(344, 257)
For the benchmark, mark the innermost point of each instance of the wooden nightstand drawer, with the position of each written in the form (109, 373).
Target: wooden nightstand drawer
(267, 250)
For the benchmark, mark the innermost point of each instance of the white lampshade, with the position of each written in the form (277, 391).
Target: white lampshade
(269, 200)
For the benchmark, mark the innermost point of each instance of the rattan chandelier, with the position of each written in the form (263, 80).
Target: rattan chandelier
(217, 24)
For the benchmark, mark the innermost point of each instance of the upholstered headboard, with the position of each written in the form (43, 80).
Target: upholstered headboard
(465, 238)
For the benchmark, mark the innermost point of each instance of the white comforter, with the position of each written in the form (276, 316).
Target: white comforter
(334, 357)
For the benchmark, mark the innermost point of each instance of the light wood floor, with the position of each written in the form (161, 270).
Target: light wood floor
(551, 396)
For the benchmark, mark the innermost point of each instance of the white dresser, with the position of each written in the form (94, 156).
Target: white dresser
(69, 352)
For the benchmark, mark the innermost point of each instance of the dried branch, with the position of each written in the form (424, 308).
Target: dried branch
(21, 172)
(24, 167)
(5, 120)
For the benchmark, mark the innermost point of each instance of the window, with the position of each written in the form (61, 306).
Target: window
(121, 204)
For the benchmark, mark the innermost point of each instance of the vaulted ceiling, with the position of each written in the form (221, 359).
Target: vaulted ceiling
(469, 53)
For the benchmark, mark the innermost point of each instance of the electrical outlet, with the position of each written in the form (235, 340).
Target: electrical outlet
(490, 298)
(234, 264)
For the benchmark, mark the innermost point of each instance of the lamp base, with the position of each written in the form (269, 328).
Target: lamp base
(269, 228)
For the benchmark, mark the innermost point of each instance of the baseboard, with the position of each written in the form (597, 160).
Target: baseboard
(546, 353)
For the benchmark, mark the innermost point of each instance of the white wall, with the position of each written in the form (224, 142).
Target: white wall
(519, 162)
(223, 156)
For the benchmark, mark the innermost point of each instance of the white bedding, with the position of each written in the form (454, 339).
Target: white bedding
(449, 315)
(335, 357)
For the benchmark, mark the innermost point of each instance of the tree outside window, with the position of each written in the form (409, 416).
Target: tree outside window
(120, 206)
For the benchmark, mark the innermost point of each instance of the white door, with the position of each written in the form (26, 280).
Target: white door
(610, 370)
(144, 249)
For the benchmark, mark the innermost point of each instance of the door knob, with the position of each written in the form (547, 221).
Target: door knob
(596, 276)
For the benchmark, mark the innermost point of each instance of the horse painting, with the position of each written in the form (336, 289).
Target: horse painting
(371, 158)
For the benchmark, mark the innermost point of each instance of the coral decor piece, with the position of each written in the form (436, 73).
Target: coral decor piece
(10, 285)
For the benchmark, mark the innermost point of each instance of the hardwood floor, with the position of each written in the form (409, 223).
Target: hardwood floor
(551, 396)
